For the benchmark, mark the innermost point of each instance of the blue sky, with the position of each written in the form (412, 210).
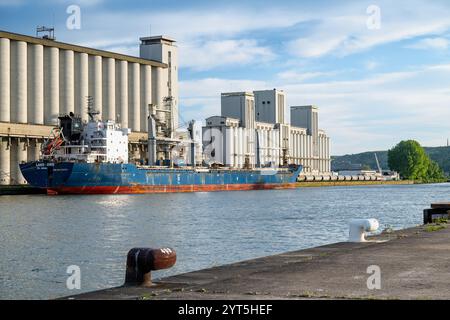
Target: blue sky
(374, 87)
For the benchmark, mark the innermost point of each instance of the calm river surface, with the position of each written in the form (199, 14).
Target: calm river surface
(40, 236)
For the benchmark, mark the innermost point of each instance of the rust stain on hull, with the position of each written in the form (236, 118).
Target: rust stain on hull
(140, 189)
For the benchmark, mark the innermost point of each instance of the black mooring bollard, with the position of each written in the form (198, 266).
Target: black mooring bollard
(141, 261)
(437, 211)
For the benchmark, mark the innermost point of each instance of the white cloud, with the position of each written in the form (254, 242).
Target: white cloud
(84, 3)
(11, 3)
(371, 65)
(210, 54)
(438, 43)
(221, 37)
(289, 76)
(207, 39)
(314, 46)
(342, 32)
(183, 25)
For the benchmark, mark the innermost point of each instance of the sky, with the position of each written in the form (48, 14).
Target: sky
(379, 71)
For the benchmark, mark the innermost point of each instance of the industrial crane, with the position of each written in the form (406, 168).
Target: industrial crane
(378, 165)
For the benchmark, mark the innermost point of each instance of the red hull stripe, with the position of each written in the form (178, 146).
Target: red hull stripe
(140, 189)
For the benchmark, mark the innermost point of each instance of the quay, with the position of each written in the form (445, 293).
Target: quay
(9, 190)
(303, 184)
(413, 264)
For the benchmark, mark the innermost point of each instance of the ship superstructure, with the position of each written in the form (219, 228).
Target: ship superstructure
(92, 142)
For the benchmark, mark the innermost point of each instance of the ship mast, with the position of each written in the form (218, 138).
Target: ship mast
(91, 109)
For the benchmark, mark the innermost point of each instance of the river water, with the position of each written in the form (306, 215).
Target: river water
(40, 236)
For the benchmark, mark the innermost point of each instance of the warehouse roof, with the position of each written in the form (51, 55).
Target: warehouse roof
(81, 49)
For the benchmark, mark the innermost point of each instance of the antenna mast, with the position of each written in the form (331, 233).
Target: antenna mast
(49, 33)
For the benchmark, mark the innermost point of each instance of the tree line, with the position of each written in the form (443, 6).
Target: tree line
(411, 161)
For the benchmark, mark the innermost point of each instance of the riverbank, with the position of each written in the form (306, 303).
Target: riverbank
(351, 183)
(412, 264)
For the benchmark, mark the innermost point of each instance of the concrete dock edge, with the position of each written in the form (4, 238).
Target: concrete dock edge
(413, 264)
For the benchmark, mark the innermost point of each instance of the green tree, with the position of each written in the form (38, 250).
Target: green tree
(434, 173)
(410, 160)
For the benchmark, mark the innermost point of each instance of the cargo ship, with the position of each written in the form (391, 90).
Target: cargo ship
(93, 158)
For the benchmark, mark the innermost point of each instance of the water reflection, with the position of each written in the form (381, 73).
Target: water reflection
(40, 236)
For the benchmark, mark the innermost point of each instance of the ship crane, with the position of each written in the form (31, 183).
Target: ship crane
(53, 142)
(378, 165)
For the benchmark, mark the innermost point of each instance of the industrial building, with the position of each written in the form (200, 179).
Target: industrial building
(41, 79)
(252, 131)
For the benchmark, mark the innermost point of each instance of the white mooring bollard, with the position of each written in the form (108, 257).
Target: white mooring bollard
(359, 227)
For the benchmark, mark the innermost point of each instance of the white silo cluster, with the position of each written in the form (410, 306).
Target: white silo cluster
(41, 79)
(252, 132)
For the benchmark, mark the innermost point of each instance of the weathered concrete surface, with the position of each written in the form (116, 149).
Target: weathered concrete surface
(415, 264)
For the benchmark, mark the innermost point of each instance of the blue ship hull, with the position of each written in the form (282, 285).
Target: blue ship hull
(105, 178)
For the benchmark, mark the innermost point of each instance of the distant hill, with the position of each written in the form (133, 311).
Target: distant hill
(366, 160)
